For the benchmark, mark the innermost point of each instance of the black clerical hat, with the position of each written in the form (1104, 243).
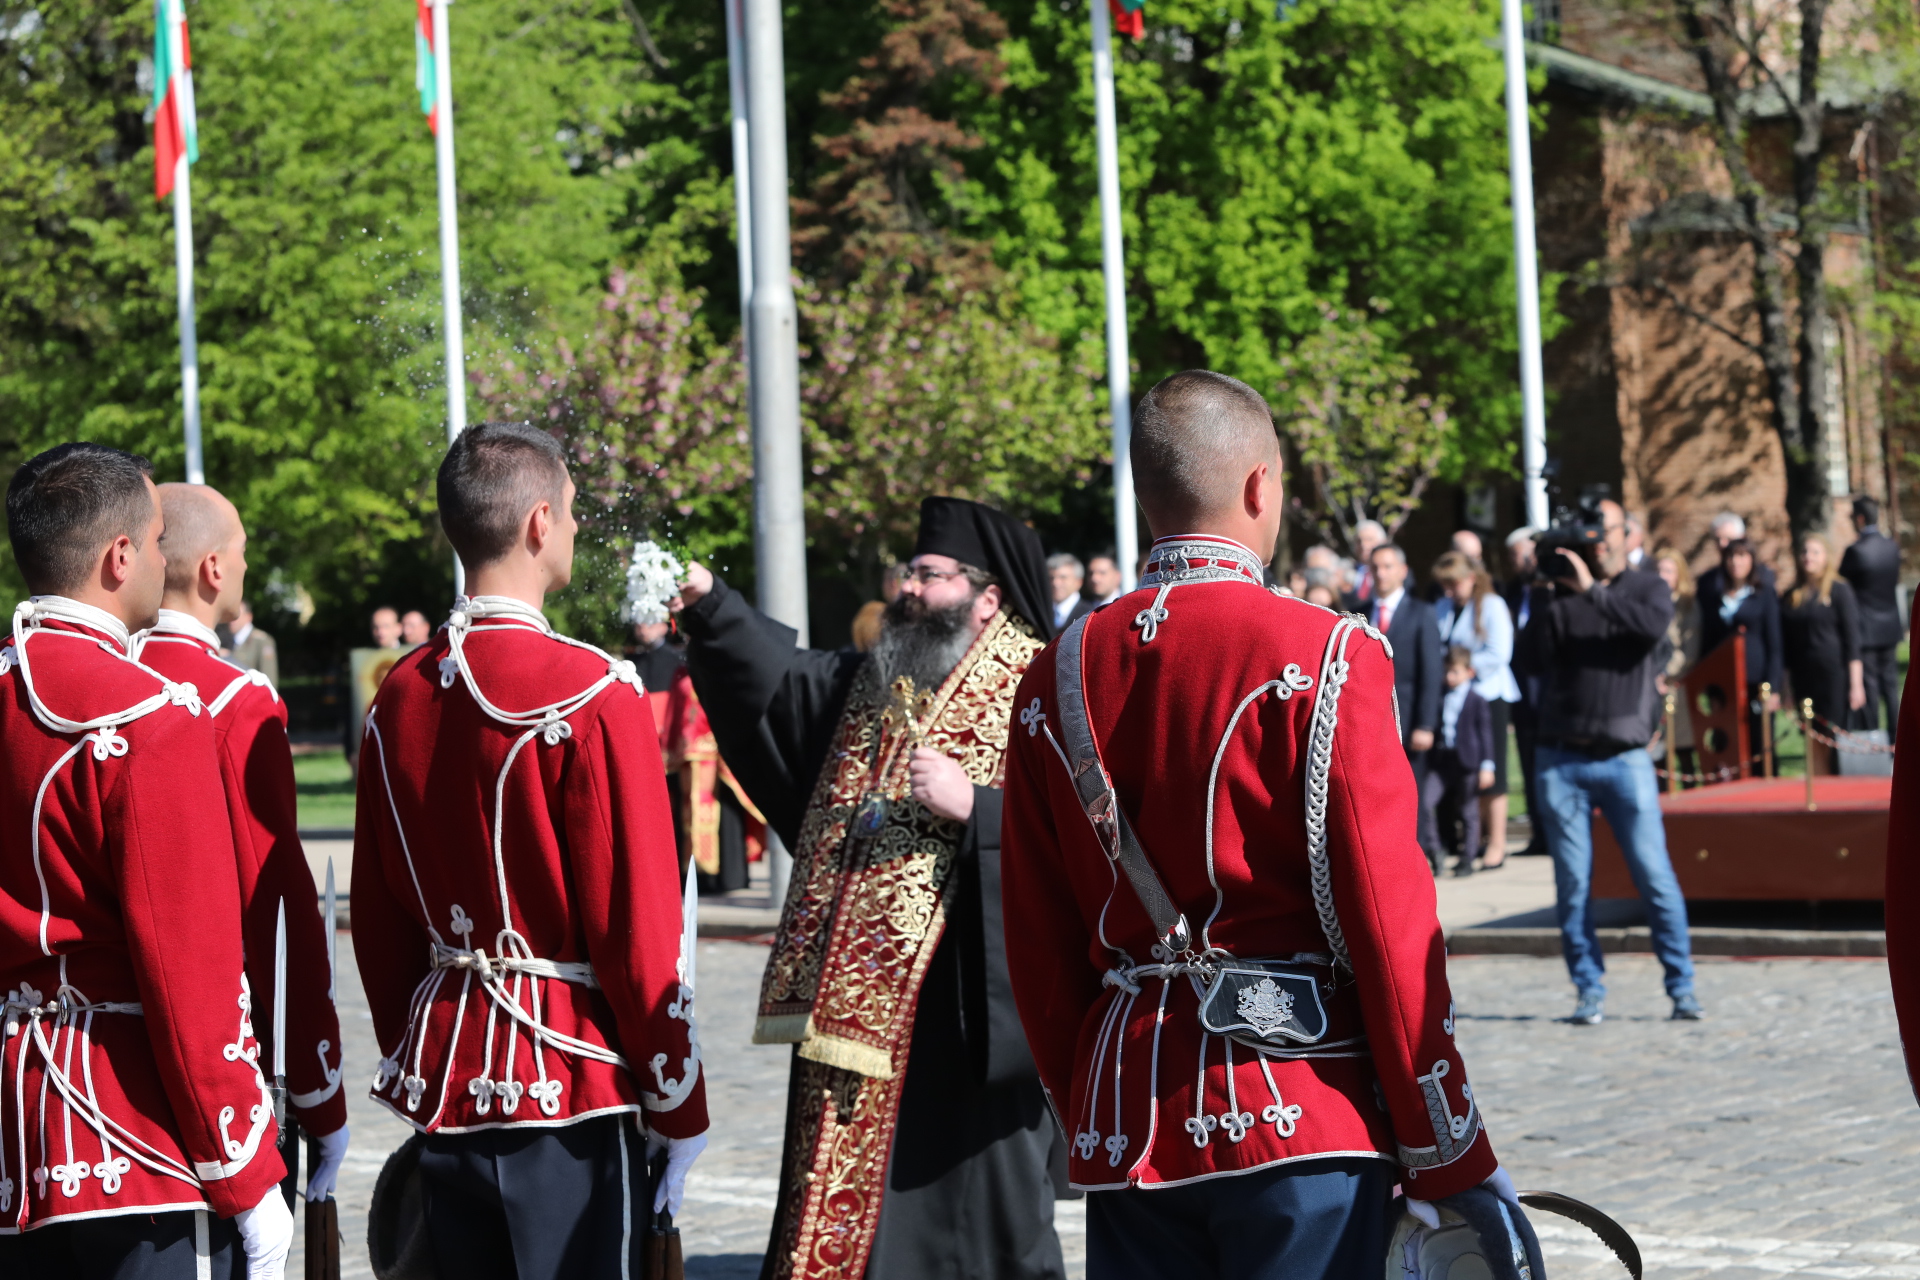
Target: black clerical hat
(991, 540)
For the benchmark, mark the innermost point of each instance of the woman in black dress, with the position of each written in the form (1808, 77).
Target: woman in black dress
(1741, 601)
(1820, 625)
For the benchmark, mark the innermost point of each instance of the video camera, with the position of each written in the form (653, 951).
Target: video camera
(1581, 531)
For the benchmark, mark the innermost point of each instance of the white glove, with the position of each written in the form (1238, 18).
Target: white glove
(333, 1152)
(1500, 1183)
(266, 1233)
(681, 1153)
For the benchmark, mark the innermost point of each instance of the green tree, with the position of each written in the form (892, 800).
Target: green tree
(906, 389)
(1270, 158)
(315, 242)
(1362, 436)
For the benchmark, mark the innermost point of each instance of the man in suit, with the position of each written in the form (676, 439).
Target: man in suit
(252, 648)
(1411, 629)
(1872, 565)
(1103, 580)
(1065, 574)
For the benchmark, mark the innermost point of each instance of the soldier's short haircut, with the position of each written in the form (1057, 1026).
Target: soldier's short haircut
(493, 475)
(198, 524)
(65, 505)
(1195, 437)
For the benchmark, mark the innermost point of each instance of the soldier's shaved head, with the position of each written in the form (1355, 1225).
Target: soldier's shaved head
(1196, 437)
(200, 521)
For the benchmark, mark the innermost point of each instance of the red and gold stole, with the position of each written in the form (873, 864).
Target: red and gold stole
(863, 915)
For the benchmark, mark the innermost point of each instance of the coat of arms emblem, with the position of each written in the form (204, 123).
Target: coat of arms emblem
(1265, 1005)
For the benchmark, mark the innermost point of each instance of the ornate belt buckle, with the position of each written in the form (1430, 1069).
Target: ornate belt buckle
(1265, 1003)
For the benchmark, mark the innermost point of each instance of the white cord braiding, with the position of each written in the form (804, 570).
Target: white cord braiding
(1326, 717)
(28, 616)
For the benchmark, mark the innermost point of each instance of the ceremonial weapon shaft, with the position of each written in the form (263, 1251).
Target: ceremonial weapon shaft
(323, 1216)
(289, 1142)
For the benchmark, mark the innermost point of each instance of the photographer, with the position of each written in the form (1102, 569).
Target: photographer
(1598, 647)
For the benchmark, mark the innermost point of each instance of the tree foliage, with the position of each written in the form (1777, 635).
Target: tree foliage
(905, 391)
(315, 244)
(942, 153)
(1363, 435)
(1271, 157)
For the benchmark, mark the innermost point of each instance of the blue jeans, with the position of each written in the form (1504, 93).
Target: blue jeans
(1572, 785)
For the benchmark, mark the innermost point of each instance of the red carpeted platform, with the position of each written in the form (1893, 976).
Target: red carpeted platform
(1757, 839)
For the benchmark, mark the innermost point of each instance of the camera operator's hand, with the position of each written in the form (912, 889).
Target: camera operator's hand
(1420, 740)
(1582, 579)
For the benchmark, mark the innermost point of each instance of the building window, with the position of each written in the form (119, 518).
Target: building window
(1834, 411)
(1544, 25)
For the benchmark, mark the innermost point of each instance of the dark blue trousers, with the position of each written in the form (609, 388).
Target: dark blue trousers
(1315, 1220)
(566, 1203)
(133, 1246)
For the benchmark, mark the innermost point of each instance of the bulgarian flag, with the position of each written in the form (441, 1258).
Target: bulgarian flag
(424, 78)
(175, 132)
(1129, 17)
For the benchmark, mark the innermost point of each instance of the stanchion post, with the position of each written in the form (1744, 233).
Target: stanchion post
(1806, 731)
(1673, 750)
(1766, 730)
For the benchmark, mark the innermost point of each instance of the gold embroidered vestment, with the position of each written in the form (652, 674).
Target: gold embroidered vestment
(863, 915)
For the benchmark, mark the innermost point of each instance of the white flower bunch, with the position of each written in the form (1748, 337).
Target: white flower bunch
(653, 578)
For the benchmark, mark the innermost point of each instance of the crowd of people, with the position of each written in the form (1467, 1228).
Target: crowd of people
(1572, 660)
(1043, 848)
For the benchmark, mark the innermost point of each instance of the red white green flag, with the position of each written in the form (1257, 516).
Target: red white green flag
(1129, 17)
(425, 76)
(175, 132)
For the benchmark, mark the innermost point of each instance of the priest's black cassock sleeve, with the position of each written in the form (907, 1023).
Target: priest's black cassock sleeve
(975, 1140)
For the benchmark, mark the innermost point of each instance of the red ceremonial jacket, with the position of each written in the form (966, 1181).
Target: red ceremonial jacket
(518, 915)
(1903, 873)
(130, 1068)
(256, 764)
(1202, 687)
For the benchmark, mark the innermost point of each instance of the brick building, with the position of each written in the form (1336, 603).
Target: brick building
(1647, 392)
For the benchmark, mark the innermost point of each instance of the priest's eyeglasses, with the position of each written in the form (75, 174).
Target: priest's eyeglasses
(926, 575)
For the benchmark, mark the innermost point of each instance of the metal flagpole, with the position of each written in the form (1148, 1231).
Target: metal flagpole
(1126, 546)
(189, 339)
(1526, 268)
(779, 519)
(174, 25)
(449, 243)
(742, 177)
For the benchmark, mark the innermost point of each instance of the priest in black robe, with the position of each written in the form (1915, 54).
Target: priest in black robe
(918, 1140)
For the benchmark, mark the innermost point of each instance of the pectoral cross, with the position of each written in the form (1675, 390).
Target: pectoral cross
(904, 710)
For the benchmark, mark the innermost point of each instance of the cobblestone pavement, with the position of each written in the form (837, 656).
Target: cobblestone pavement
(1778, 1138)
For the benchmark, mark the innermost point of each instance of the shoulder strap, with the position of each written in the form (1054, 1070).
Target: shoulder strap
(1095, 789)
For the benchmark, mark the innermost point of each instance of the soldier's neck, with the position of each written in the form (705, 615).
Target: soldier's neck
(522, 579)
(204, 612)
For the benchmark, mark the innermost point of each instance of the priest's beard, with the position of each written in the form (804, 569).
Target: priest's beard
(922, 643)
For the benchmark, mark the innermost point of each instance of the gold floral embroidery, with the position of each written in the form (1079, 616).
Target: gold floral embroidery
(862, 919)
(968, 718)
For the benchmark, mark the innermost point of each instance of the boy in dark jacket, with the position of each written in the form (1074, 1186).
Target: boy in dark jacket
(1461, 766)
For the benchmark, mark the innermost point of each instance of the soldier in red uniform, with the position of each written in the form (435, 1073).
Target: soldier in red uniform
(1903, 874)
(206, 551)
(1220, 923)
(520, 924)
(136, 1131)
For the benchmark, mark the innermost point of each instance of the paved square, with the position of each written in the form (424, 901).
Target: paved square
(1778, 1138)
